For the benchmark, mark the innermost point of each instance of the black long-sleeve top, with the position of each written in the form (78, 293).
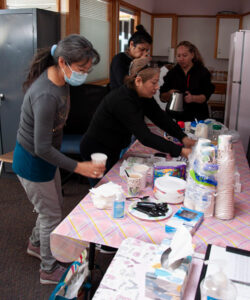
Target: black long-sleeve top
(121, 114)
(119, 68)
(197, 82)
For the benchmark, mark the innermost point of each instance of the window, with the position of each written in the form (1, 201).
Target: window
(43, 4)
(95, 25)
(127, 24)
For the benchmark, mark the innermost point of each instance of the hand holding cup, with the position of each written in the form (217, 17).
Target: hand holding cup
(99, 159)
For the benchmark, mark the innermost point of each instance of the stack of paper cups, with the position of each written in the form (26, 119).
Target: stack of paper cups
(225, 142)
(224, 207)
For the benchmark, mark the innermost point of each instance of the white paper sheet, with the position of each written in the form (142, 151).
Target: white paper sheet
(236, 267)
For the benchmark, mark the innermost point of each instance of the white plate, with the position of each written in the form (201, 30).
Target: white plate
(145, 217)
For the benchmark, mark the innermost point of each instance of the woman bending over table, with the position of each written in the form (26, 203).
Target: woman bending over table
(37, 156)
(122, 113)
(193, 79)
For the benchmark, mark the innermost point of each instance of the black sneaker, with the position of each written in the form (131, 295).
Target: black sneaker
(105, 249)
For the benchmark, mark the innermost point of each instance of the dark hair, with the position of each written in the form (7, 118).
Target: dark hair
(194, 50)
(73, 48)
(140, 67)
(140, 36)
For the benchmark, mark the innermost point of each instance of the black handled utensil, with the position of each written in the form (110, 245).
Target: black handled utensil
(137, 197)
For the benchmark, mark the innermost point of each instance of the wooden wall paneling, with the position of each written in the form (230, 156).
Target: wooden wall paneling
(245, 14)
(73, 17)
(216, 36)
(58, 5)
(152, 34)
(174, 31)
(241, 22)
(2, 4)
(114, 28)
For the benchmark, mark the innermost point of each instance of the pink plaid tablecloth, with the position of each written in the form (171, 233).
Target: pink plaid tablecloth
(87, 224)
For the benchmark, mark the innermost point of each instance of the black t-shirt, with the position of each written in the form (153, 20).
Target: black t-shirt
(119, 68)
(121, 114)
(197, 82)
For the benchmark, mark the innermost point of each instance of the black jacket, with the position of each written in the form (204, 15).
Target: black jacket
(197, 82)
(121, 114)
(119, 68)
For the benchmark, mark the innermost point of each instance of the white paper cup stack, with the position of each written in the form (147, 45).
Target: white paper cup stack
(224, 207)
(225, 142)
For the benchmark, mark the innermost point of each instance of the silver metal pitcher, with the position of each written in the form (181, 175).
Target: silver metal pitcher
(176, 102)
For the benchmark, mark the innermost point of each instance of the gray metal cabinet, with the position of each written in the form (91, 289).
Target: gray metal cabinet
(22, 32)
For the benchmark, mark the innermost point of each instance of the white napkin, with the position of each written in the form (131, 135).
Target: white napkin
(181, 245)
(104, 195)
(107, 189)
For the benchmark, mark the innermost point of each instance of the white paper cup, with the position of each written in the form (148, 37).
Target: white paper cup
(143, 170)
(134, 184)
(99, 159)
(225, 142)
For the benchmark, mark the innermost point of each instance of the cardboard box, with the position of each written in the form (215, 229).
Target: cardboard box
(189, 218)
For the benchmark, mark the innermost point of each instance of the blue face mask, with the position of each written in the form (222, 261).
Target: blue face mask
(76, 78)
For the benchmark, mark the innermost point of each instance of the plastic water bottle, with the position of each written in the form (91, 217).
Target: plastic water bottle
(217, 286)
(119, 206)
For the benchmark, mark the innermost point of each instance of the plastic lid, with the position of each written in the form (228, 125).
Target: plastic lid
(217, 127)
(181, 124)
(193, 124)
(201, 121)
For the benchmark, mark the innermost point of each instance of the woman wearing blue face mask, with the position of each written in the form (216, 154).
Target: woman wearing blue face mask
(37, 155)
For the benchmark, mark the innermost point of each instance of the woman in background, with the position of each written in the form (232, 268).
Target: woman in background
(138, 46)
(193, 79)
(121, 114)
(37, 156)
